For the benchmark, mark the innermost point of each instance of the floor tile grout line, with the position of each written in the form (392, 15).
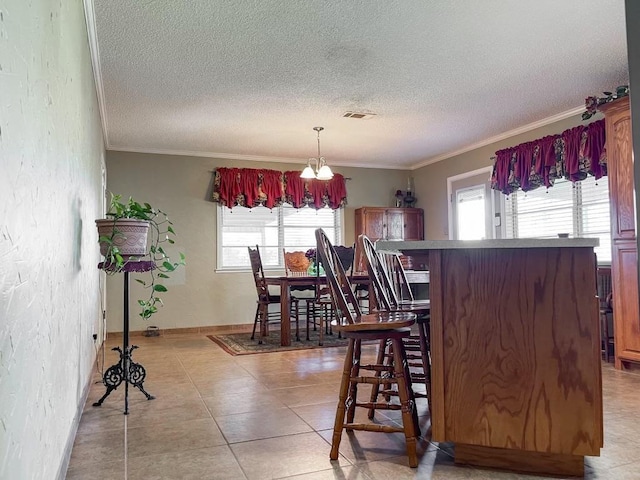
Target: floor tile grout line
(227, 444)
(618, 389)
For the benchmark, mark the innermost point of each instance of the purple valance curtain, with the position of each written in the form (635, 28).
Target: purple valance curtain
(574, 154)
(249, 187)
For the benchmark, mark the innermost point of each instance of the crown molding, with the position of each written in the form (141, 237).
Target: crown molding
(92, 37)
(502, 136)
(251, 158)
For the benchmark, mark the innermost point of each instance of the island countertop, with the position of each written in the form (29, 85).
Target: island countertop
(426, 245)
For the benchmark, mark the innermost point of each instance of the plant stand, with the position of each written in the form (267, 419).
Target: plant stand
(126, 370)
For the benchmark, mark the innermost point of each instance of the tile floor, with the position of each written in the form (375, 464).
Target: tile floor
(270, 416)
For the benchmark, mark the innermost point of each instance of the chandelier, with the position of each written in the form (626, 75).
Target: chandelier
(322, 170)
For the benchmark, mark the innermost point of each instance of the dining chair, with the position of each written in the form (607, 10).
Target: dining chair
(390, 286)
(321, 310)
(359, 268)
(603, 283)
(263, 316)
(358, 327)
(345, 254)
(296, 264)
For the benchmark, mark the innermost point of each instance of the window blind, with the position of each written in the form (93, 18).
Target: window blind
(272, 230)
(580, 209)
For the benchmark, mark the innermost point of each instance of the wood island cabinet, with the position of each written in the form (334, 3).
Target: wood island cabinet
(624, 254)
(515, 351)
(380, 223)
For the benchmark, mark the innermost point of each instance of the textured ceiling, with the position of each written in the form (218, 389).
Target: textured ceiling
(249, 79)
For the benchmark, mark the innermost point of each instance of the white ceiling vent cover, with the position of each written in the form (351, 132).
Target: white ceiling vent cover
(359, 115)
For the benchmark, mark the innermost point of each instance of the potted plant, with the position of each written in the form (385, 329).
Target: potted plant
(136, 232)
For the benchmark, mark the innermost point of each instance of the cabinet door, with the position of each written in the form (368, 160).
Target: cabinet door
(413, 225)
(621, 174)
(374, 223)
(395, 224)
(625, 301)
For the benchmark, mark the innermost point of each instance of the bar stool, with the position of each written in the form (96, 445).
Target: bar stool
(389, 280)
(358, 327)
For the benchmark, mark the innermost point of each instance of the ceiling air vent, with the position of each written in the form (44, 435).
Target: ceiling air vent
(359, 115)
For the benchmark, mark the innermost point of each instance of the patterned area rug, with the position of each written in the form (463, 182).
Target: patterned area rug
(241, 343)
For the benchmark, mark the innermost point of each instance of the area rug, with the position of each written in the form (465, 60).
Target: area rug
(241, 343)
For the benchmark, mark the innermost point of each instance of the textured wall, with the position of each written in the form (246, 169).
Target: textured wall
(51, 156)
(181, 186)
(431, 181)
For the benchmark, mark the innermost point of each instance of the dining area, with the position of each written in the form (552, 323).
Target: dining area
(302, 292)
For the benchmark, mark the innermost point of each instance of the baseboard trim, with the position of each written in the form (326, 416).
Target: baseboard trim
(206, 330)
(66, 457)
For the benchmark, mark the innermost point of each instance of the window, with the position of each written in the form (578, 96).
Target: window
(272, 230)
(580, 209)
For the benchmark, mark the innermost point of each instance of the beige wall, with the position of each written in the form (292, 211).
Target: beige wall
(181, 186)
(431, 181)
(51, 158)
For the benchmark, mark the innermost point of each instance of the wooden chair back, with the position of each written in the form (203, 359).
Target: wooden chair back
(397, 276)
(296, 264)
(358, 267)
(339, 286)
(384, 295)
(258, 274)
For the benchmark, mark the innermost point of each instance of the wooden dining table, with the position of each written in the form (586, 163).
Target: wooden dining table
(286, 282)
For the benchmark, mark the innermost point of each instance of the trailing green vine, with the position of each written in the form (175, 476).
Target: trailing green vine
(160, 231)
(592, 103)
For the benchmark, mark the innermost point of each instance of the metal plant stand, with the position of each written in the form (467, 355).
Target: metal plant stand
(126, 370)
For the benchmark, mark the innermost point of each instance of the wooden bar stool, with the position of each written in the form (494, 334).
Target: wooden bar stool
(358, 327)
(389, 280)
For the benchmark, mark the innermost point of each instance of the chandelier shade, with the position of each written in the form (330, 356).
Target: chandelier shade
(322, 170)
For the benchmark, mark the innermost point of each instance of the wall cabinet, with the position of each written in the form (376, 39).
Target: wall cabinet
(380, 223)
(624, 251)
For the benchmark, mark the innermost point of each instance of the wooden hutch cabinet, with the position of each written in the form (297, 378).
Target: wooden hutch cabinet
(381, 223)
(624, 254)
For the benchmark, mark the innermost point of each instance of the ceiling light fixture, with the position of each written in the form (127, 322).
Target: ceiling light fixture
(322, 171)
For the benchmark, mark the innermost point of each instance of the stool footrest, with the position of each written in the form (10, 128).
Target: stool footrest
(380, 405)
(377, 368)
(374, 380)
(372, 427)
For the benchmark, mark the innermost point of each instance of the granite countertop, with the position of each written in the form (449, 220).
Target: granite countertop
(497, 243)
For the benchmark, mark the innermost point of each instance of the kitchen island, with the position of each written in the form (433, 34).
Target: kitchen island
(515, 349)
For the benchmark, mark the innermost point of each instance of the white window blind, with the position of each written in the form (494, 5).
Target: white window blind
(580, 209)
(272, 230)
